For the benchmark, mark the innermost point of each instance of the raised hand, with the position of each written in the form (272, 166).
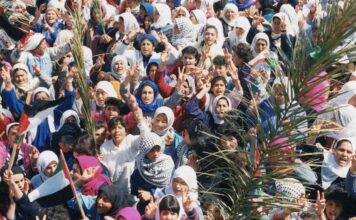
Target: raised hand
(163, 38)
(144, 195)
(181, 78)
(105, 39)
(320, 203)
(5, 74)
(89, 173)
(165, 57)
(36, 70)
(151, 208)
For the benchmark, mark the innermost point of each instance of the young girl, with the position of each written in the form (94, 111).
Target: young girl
(153, 169)
(184, 184)
(46, 164)
(163, 126)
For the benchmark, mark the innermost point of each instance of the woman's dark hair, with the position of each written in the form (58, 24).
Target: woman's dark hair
(336, 194)
(209, 27)
(196, 130)
(216, 79)
(193, 51)
(243, 51)
(117, 121)
(122, 107)
(342, 141)
(99, 124)
(85, 144)
(169, 203)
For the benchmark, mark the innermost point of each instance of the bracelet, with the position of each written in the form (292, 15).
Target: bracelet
(191, 213)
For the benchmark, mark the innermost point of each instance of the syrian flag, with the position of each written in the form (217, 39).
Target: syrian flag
(57, 186)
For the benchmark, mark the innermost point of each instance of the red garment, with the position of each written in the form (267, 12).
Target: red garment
(3, 125)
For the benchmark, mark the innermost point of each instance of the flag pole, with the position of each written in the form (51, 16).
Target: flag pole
(66, 173)
(18, 144)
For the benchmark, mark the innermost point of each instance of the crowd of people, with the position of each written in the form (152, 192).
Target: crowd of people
(163, 76)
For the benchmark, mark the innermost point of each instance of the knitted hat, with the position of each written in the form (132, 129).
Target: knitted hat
(148, 141)
(290, 189)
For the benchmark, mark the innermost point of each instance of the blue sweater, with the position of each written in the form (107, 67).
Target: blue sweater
(43, 135)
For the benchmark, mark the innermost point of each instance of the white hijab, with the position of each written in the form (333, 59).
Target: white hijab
(130, 22)
(119, 76)
(346, 92)
(229, 6)
(44, 159)
(330, 170)
(218, 25)
(31, 83)
(189, 176)
(240, 22)
(217, 119)
(106, 87)
(186, 35)
(170, 120)
(68, 114)
(292, 16)
(165, 16)
(259, 36)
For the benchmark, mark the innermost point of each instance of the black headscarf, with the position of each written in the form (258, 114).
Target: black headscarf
(117, 197)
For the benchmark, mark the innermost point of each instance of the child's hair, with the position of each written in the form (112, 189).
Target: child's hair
(216, 79)
(169, 203)
(309, 215)
(219, 60)
(243, 51)
(337, 195)
(191, 50)
(99, 124)
(122, 107)
(117, 121)
(85, 145)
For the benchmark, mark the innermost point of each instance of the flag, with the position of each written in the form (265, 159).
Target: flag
(53, 185)
(32, 116)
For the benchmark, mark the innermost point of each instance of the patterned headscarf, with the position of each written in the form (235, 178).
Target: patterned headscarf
(186, 35)
(159, 172)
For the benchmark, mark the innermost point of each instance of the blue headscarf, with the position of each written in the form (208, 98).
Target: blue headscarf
(148, 8)
(149, 37)
(154, 104)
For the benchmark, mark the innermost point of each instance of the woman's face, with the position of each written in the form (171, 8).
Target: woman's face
(12, 135)
(152, 71)
(147, 47)
(179, 185)
(276, 25)
(156, 16)
(118, 133)
(261, 45)
(154, 154)
(180, 13)
(65, 147)
(343, 154)
(185, 90)
(210, 36)
(120, 67)
(168, 215)
(193, 18)
(142, 12)
(218, 88)
(50, 169)
(103, 204)
(189, 60)
(222, 106)
(100, 136)
(160, 122)
(51, 17)
(229, 142)
(71, 119)
(147, 94)
(332, 210)
(239, 31)
(121, 25)
(147, 22)
(20, 77)
(230, 14)
(100, 97)
(76, 171)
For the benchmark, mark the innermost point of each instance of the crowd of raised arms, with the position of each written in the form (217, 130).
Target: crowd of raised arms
(162, 75)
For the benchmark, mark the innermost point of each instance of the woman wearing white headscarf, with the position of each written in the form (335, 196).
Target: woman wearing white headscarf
(220, 31)
(239, 33)
(24, 82)
(228, 16)
(337, 163)
(346, 92)
(198, 18)
(261, 49)
(103, 90)
(162, 125)
(183, 176)
(46, 164)
(127, 22)
(293, 18)
(119, 67)
(183, 33)
(69, 116)
(162, 19)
